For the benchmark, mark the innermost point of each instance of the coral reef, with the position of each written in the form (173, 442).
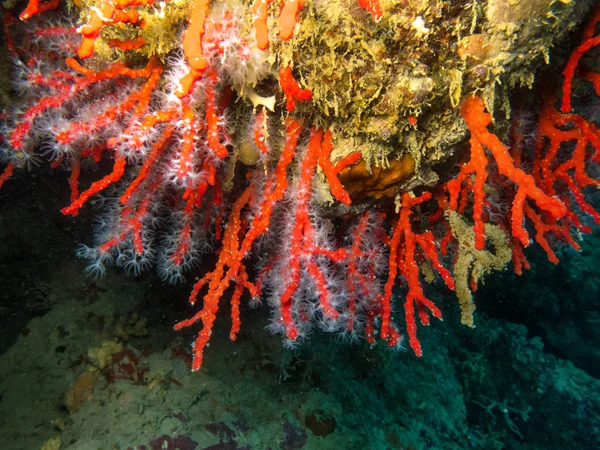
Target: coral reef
(347, 118)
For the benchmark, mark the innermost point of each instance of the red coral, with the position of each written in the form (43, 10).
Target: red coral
(170, 198)
(473, 111)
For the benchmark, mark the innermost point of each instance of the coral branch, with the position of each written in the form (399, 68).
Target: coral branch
(478, 120)
(96, 187)
(302, 243)
(106, 12)
(288, 17)
(292, 90)
(229, 266)
(337, 190)
(214, 279)
(373, 7)
(589, 41)
(7, 173)
(403, 247)
(34, 7)
(259, 13)
(192, 46)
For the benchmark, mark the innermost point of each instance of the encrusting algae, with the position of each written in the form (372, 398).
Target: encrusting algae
(391, 86)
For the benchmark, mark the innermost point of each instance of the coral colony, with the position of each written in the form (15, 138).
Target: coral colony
(181, 186)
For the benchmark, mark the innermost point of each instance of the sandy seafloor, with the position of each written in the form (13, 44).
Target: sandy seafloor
(525, 377)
